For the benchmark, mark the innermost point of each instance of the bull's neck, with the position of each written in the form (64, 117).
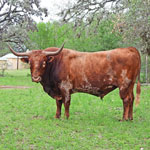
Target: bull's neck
(50, 74)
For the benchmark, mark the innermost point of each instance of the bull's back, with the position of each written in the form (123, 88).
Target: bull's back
(81, 63)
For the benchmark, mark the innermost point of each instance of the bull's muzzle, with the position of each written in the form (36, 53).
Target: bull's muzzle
(36, 79)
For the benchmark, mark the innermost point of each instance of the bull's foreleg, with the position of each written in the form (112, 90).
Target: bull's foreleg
(58, 111)
(67, 98)
(65, 88)
(67, 105)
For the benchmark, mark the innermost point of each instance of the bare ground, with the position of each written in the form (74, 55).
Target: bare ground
(13, 87)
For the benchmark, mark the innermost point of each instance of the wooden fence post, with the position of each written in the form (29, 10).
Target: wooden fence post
(146, 68)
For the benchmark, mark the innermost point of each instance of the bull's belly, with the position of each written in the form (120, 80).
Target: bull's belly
(91, 90)
(96, 91)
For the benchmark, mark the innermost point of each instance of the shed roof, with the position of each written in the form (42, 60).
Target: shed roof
(9, 55)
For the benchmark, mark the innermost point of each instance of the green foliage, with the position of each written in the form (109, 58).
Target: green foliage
(27, 122)
(49, 35)
(92, 38)
(106, 38)
(3, 49)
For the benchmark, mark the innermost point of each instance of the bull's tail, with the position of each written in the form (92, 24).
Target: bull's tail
(138, 91)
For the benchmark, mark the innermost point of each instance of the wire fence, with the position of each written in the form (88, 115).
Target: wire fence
(145, 69)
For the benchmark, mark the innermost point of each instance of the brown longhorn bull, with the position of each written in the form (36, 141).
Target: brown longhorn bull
(62, 72)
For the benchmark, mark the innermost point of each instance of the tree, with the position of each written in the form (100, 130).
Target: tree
(88, 10)
(96, 37)
(49, 35)
(16, 19)
(135, 22)
(131, 18)
(54, 34)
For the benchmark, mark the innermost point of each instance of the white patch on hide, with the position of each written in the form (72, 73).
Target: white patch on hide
(110, 79)
(123, 73)
(125, 79)
(110, 86)
(87, 83)
(110, 74)
(66, 86)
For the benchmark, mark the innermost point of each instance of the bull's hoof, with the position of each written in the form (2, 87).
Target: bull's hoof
(130, 119)
(57, 116)
(121, 120)
(66, 116)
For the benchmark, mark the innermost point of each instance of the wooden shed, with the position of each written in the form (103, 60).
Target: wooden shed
(13, 62)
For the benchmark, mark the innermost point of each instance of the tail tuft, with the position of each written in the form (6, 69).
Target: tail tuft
(138, 91)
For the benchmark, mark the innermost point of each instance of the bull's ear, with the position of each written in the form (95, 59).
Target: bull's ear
(25, 60)
(50, 59)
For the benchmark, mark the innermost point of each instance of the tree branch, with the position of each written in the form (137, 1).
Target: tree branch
(84, 9)
(16, 17)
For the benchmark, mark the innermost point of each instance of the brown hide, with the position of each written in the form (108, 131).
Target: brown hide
(100, 72)
(96, 73)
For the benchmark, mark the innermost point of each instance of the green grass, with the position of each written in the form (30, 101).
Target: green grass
(27, 120)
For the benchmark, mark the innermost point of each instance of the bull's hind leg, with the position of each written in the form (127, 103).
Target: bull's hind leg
(125, 98)
(125, 108)
(130, 115)
(58, 111)
(128, 98)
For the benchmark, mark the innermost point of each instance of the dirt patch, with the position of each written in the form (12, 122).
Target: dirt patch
(13, 87)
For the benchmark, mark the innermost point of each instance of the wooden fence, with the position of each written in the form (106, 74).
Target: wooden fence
(145, 69)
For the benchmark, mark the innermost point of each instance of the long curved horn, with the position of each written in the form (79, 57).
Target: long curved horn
(18, 54)
(56, 52)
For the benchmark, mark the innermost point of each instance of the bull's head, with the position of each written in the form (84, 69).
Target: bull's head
(37, 59)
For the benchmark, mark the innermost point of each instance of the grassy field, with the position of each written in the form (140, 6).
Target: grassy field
(27, 120)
